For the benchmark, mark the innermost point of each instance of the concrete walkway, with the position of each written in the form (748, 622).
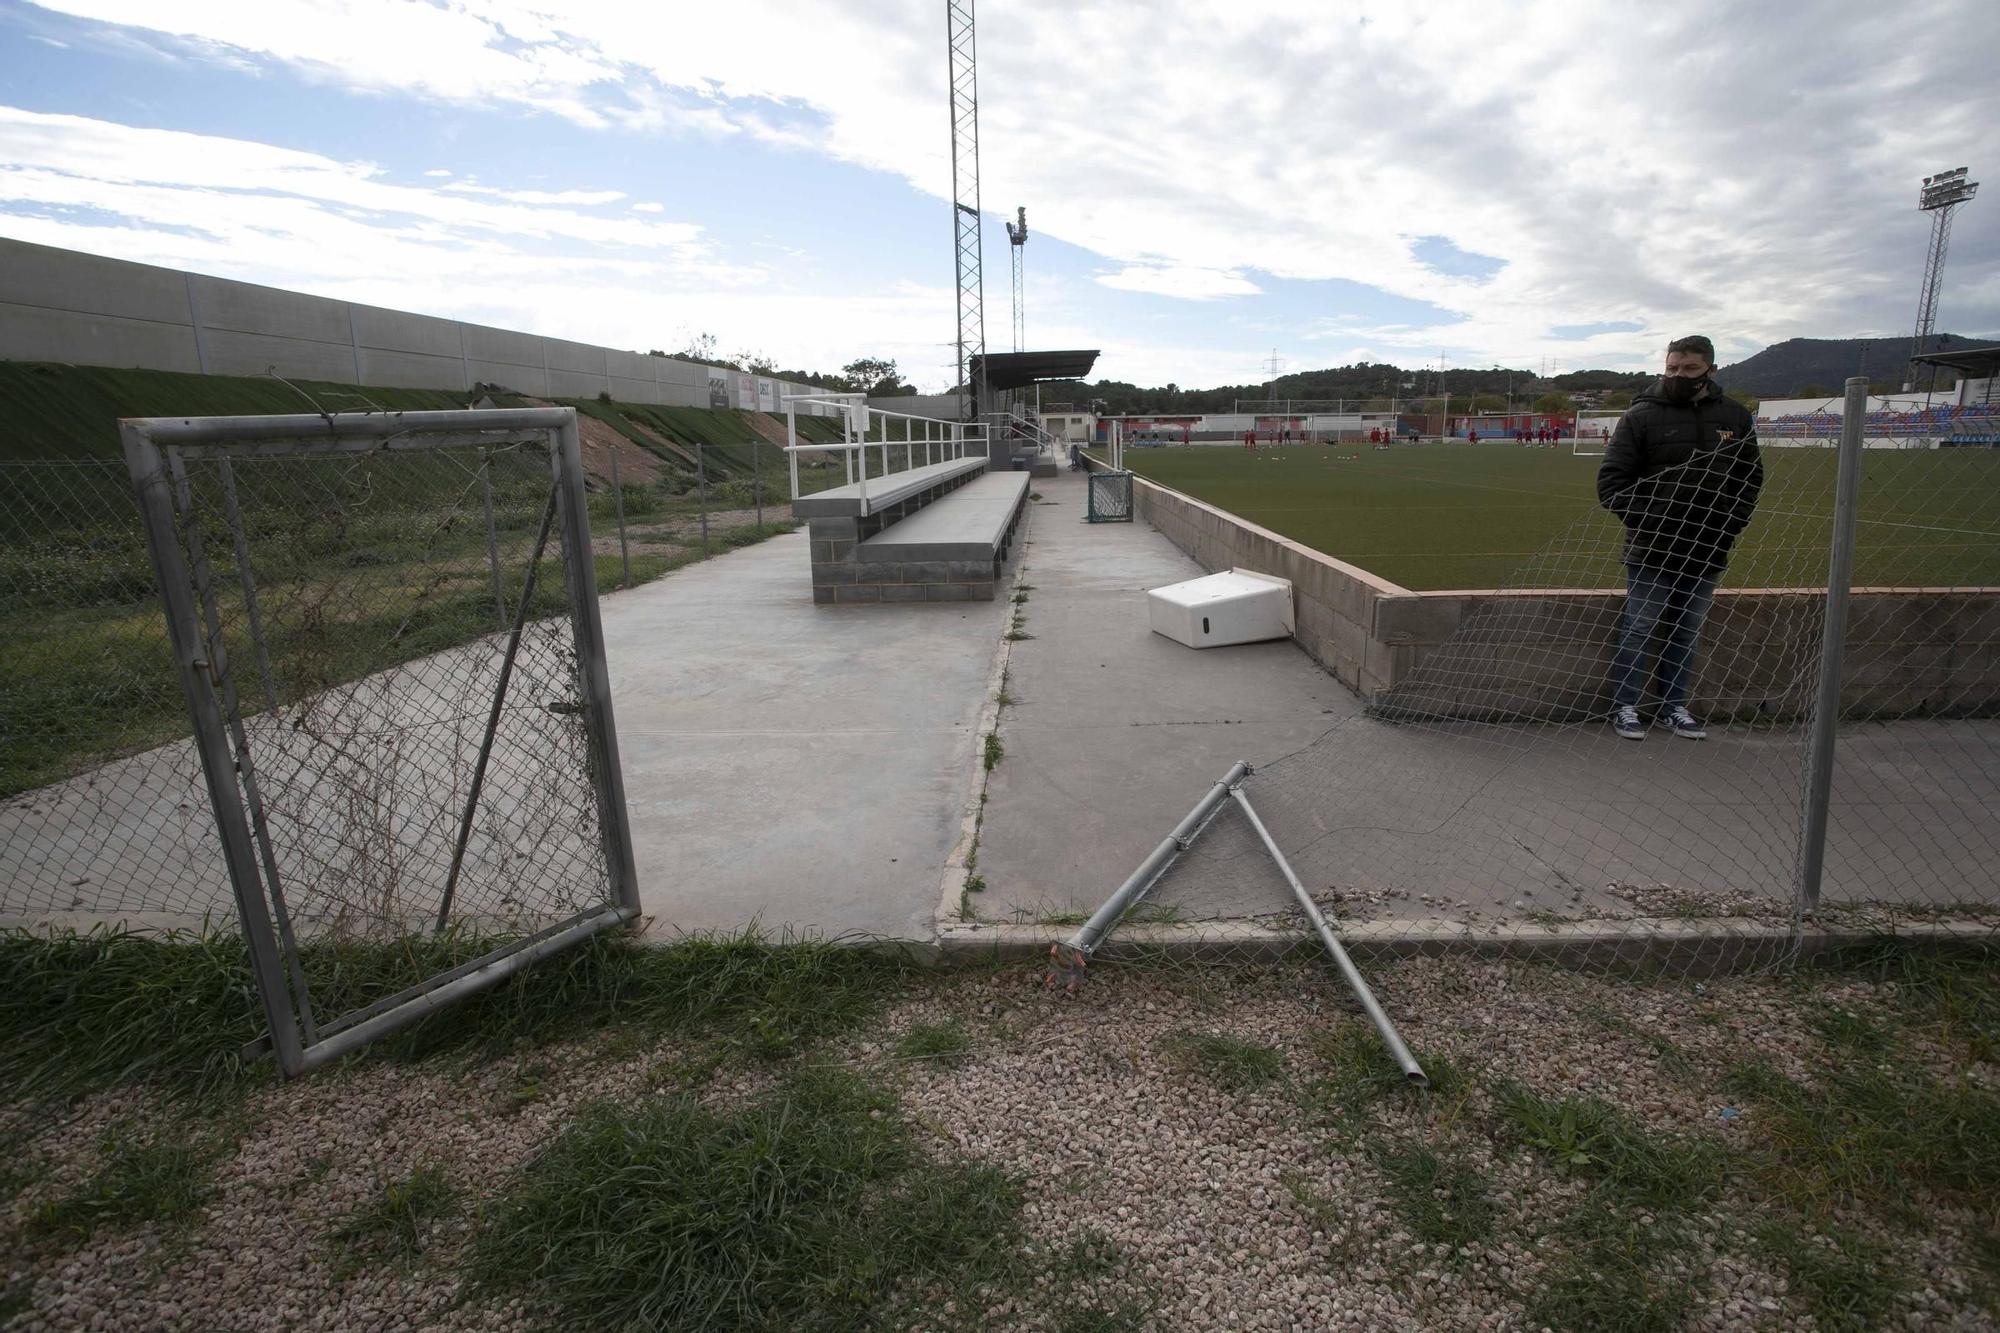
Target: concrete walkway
(1113, 732)
(791, 765)
(788, 766)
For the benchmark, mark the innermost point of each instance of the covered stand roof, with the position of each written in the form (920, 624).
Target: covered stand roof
(1971, 361)
(1014, 370)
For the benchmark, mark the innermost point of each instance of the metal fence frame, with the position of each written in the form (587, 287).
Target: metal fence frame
(156, 451)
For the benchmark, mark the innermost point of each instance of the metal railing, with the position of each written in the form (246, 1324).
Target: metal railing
(1033, 431)
(938, 441)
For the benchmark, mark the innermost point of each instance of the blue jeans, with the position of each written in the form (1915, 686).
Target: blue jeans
(1672, 605)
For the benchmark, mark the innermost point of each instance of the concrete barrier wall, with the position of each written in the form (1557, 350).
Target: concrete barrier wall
(943, 406)
(1504, 653)
(64, 305)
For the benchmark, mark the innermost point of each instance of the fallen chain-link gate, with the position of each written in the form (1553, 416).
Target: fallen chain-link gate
(386, 630)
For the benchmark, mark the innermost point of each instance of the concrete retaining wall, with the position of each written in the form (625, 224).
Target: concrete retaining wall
(64, 305)
(1504, 653)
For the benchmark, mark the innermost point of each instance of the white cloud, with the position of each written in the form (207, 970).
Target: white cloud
(649, 208)
(575, 198)
(1184, 281)
(1626, 165)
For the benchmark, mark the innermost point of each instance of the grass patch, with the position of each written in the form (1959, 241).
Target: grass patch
(107, 1007)
(395, 1225)
(1608, 1271)
(803, 1208)
(1589, 1138)
(936, 1043)
(161, 1182)
(1360, 1072)
(1869, 1132)
(994, 750)
(1950, 994)
(1226, 1061)
(1671, 1058)
(1848, 1284)
(1442, 1199)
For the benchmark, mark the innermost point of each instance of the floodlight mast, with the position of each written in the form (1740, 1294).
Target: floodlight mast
(1940, 196)
(964, 69)
(1017, 240)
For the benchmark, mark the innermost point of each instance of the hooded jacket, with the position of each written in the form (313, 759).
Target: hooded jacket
(1683, 478)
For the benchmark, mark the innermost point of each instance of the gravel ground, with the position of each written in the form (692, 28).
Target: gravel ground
(1254, 1206)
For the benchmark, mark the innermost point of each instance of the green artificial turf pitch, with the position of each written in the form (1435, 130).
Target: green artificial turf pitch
(1434, 516)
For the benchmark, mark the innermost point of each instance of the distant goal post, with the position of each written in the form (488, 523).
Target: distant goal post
(1592, 433)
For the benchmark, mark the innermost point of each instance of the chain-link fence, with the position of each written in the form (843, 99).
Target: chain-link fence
(102, 809)
(1796, 769)
(103, 815)
(385, 629)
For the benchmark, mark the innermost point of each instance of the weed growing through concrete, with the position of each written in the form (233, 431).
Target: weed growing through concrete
(994, 750)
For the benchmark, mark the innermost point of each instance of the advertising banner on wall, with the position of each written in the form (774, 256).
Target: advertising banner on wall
(767, 395)
(718, 389)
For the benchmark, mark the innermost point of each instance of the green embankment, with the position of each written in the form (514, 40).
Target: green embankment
(386, 556)
(64, 411)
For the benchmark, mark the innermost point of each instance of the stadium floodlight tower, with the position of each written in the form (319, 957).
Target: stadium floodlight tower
(964, 63)
(1940, 196)
(1017, 240)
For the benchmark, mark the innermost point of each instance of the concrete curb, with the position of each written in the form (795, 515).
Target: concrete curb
(960, 862)
(1692, 947)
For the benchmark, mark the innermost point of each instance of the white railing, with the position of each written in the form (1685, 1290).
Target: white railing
(899, 435)
(1032, 431)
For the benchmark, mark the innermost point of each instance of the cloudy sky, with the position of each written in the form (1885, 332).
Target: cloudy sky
(1567, 184)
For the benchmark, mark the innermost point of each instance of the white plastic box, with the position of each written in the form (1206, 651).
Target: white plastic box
(1240, 606)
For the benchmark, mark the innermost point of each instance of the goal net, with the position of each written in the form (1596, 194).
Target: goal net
(1592, 433)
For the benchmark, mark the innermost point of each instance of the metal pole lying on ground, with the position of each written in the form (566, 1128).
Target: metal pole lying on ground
(1352, 974)
(1826, 706)
(1081, 945)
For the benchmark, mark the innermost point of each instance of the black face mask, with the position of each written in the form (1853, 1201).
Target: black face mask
(1680, 390)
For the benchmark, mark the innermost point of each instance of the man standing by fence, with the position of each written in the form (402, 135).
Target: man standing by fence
(1682, 473)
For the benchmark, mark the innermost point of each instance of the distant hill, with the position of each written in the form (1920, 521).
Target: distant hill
(1824, 364)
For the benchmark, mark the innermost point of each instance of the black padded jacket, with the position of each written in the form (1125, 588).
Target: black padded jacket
(1683, 478)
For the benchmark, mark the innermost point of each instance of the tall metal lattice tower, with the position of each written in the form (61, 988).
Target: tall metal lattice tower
(1017, 241)
(1940, 197)
(965, 203)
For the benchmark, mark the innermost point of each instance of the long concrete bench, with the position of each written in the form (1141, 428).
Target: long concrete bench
(894, 492)
(950, 550)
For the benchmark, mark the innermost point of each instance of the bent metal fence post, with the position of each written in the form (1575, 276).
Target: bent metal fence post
(385, 748)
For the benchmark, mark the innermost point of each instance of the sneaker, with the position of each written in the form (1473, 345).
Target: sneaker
(1684, 723)
(1625, 721)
